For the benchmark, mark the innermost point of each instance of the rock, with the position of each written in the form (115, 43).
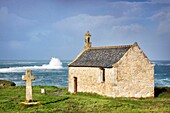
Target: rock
(4, 83)
(159, 90)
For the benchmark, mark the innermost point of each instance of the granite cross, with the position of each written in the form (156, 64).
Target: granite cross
(28, 78)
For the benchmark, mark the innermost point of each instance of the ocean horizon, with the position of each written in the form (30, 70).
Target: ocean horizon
(54, 72)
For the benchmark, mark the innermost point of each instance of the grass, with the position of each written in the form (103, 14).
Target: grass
(58, 100)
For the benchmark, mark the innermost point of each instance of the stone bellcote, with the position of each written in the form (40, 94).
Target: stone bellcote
(87, 43)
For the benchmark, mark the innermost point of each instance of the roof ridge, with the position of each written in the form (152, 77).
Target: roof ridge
(109, 47)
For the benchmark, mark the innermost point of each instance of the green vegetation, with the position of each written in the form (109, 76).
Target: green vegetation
(58, 100)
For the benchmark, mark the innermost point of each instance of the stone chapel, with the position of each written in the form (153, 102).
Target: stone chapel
(114, 71)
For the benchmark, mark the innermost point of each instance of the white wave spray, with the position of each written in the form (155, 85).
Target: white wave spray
(55, 63)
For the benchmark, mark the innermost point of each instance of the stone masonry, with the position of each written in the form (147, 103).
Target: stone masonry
(131, 76)
(28, 78)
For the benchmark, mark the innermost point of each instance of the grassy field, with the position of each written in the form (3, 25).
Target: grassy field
(58, 100)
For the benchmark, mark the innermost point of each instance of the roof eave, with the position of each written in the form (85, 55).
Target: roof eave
(91, 66)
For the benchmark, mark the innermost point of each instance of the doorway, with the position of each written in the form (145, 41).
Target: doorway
(75, 84)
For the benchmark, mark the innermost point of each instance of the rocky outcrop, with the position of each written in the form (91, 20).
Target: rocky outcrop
(4, 83)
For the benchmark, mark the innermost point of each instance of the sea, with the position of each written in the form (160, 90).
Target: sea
(54, 72)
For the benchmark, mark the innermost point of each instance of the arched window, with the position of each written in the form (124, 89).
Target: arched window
(88, 40)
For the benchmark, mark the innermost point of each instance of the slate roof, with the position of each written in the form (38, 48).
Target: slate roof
(100, 56)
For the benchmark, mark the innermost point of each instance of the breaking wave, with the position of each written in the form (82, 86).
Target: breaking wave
(55, 63)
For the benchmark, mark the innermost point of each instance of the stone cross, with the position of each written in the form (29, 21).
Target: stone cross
(28, 78)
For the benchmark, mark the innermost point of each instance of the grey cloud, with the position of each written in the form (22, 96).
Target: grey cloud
(162, 17)
(8, 19)
(14, 25)
(131, 28)
(160, 1)
(103, 24)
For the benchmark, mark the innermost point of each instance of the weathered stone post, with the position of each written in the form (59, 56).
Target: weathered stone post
(43, 91)
(28, 78)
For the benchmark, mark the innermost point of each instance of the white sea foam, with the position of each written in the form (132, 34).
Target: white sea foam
(15, 62)
(55, 63)
(163, 64)
(24, 63)
(162, 74)
(163, 82)
(159, 63)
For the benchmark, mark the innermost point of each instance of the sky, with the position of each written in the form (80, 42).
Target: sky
(41, 29)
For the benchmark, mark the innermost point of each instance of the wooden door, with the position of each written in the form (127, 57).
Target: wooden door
(75, 84)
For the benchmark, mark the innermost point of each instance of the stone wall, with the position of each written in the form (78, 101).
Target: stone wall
(89, 80)
(135, 74)
(132, 76)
